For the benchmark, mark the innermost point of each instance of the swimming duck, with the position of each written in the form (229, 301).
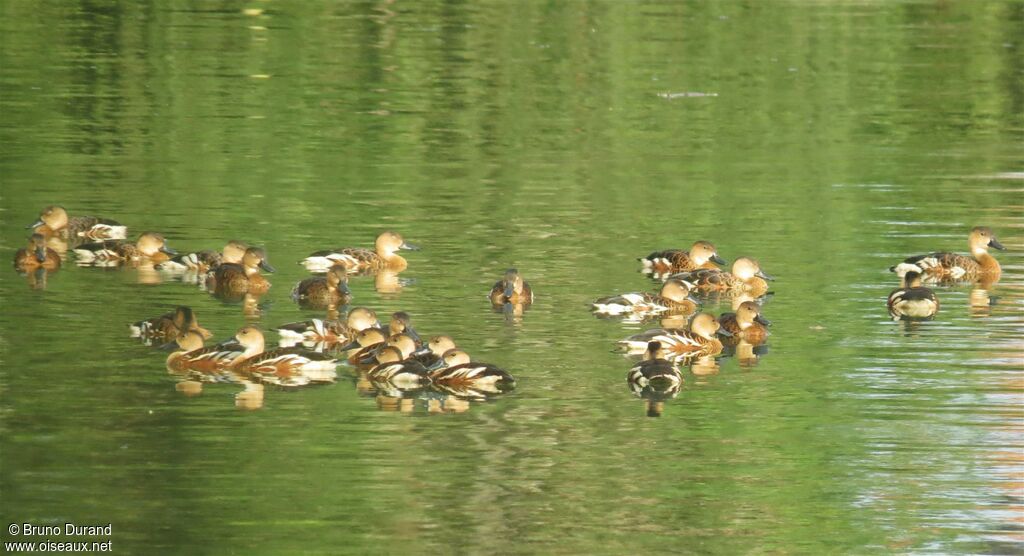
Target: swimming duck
(511, 289)
(150, 247)
(400, 323)
(329, 331)
(383, 256)
(281, 366)
(323, 291)
(398, 371)
(212, 363)
(746, 277)
(462, 373)
(206, 260)
(943, 266)
(701, 340)
(912, 301)
(36, 255)
(54, 219)
(244, 277)
(168, 326)
(674, 297)
(364, 346)
(702, 254)
(653, 369)
(746, 323)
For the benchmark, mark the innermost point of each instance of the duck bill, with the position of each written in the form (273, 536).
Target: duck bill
(510, 289)
(408, 246)
(762, 320)
(41, 254)
(266, 267)
(995, 243)
(36, 224)
(230, 342)
(168, 250)
(717, 260)
(724, 333)
(692, 299)
(343, 289)
(761, 274)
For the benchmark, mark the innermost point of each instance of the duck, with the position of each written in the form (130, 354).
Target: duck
(459, 372)
(212, 363)
(36, 255)
(702, 254)
(511, 289)
(244, 277)
(700, 341)
(746, 277)
(382, 256)
(206, 260)
(951, 267)
(400, 323)
(329, 331)
(674, 297)
(746, 323)
(364, 346)
(324, 291)
(168, 326)
(912, 301)
(281, 366)
(151, 247)
(395, 369)
(655, 369)
(54, 220)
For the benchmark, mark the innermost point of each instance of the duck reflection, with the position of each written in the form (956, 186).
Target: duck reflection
(980, 302)
(36, 279)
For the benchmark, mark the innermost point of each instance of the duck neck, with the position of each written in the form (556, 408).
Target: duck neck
(988, 263)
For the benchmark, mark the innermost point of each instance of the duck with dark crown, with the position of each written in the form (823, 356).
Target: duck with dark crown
(168, 326)
(328, 331)
(746, 324)
(912, 301)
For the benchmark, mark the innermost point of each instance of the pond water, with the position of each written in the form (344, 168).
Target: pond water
(829, 140)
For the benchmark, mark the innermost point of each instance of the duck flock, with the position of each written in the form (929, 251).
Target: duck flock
(396, 361)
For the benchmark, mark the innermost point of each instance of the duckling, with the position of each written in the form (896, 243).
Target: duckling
(511, 289)
(912, 301)
(324, 291)
(281, 366)
(943, 266)
(460, 372)
(329, 331)
(654, 369)
(244, 277)
(36, 255)
(150, 247)
(746, 277)
(702, 254)
(202, 262)
(168, 326)
(383, 256)
(211, 363)
(746, 323)
(674, 297)
(54, 219)
(398, 371)
(699, 341)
